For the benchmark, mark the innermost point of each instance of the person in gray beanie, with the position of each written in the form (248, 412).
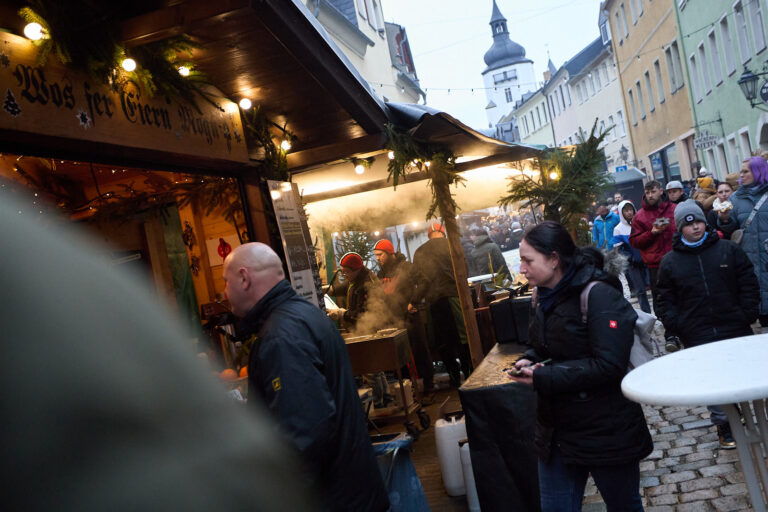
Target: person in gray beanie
(707, 291)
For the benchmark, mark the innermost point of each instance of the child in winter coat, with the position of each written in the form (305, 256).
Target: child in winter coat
(636, 273)
(707, 291)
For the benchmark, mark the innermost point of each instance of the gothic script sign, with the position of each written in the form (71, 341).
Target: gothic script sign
(53, 100)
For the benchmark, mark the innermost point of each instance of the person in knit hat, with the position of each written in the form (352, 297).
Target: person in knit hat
(706, 291)
(358, 281)
(705, 193)
(636, 273)
(396, 276)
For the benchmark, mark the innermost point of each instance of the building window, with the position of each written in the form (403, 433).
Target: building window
(714, 52)
(618, 27)
(533, 121)
(508, 94)
(624, 20)
(632, 11)
(570, 140)
(722, 159)
(614, 128)
(606, 38)
(562, 96)
(568, 94)
(632, 107)
(362, 9)
(620, 124)
(758, 31)
(725, 37)
(596, 72)
(710, 158)
(705, 78)
(734, 151)
(659, 82)
(677, 63)
(552, 106)
(374, 15)
(741, 31)
(525, 125)
(602, 127)
(640, 99)
(649, 89)
(639, 8)
(695, 78)
(544, 109)
(746, 145)
(578, 93)
(538, 114)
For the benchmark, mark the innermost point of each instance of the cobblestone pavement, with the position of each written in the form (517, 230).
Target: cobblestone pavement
(686, 470)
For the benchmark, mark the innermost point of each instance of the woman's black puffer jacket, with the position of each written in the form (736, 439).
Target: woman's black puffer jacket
(580, 404)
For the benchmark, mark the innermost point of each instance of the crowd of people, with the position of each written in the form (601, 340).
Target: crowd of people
(704, 255)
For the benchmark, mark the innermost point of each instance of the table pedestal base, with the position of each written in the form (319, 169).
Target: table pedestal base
(752, 442)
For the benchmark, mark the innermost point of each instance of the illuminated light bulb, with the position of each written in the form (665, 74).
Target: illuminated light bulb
(359, 168)
(335, 235)
(183, 70)
(231, 108)
(427, 163)
(391, 155)
(33, 31)
(245, 104)
(415, 224)
(275, 194)
(553, 175)
(376, 233)
(285, 187)
(129, 65)
(286, 145)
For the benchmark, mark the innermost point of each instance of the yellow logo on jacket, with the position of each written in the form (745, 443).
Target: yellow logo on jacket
(276, 386)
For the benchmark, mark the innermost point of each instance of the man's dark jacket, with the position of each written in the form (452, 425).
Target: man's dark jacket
(581, 408)
(397, 281)
(483, 247)
(707, 293)
(433, 271)
(299, 367)
(358, 291)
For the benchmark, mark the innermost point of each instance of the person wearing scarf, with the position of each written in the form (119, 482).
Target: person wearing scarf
(707, 291)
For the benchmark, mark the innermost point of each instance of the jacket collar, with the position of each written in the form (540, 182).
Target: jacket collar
(255, 318)
(678, 245)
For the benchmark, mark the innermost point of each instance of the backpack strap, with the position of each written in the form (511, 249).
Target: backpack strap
(584, 300)
(754, 211)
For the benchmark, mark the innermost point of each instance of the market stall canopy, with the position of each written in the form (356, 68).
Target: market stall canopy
(631, 174)
(273, 52)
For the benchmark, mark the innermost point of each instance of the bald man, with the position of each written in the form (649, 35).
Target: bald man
(300, 370)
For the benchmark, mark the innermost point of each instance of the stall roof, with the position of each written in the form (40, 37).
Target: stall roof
(631, 174)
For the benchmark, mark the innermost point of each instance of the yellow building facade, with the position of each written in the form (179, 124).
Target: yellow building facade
(654, 86)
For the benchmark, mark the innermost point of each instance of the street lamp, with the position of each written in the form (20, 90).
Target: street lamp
(748, 84)
(623, 153)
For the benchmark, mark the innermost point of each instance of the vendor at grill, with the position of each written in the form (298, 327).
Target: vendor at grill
(358, 283)
(398, 286)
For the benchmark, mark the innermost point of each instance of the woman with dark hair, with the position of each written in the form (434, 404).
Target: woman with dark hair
(721, 209)
(584, 423)
(750, 215)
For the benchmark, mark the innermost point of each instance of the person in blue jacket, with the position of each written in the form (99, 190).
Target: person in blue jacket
(636, 273)
(299, 369)
(602, 227)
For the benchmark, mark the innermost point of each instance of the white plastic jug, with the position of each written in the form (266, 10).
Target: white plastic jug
(447, 437)
(469, 478)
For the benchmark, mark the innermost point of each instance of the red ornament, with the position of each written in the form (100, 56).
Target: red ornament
(224, 248)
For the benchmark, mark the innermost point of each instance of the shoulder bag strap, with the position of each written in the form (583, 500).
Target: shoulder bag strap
(584, 300)
(754, 211)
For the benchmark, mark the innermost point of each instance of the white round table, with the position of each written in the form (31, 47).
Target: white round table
(722, 373)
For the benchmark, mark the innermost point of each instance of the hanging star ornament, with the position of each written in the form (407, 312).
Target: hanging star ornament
(85, 121)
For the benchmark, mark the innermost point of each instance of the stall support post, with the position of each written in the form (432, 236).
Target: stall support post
(448, 213)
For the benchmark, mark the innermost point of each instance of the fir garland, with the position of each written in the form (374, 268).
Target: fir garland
(410, 155)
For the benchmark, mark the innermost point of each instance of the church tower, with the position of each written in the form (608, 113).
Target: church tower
(508, 74)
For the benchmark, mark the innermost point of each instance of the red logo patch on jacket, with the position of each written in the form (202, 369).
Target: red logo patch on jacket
(613, 324)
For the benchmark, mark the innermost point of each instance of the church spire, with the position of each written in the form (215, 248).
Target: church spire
(498, 21)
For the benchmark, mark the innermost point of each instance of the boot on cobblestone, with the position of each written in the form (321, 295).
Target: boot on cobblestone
(724, 436)
(672, 344)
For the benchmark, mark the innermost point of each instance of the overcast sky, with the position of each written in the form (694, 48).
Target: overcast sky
(449, 38)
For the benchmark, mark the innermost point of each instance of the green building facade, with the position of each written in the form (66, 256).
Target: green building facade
(720, 38)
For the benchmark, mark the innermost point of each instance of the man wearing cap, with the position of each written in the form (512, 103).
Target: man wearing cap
(675, 192)
(707, 291)
(358, 282)
(435, 283)
(652, 230)
(396, 279)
